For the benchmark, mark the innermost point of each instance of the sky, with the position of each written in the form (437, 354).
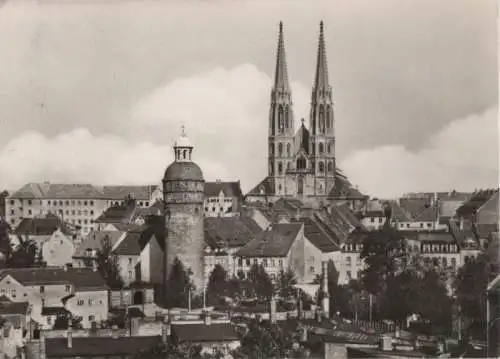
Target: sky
(96, 92)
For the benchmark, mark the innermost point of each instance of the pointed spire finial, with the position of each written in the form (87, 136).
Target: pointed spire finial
(281, 74)
(183, 131)
(321, 76)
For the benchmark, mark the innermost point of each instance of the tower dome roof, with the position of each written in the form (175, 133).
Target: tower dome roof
(182, 171)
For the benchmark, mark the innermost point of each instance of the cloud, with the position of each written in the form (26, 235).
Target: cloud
(225, 112)
(462, 156)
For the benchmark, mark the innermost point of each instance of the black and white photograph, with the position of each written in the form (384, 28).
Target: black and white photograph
(249, 179)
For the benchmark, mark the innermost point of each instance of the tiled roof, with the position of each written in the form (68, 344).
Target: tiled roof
(121, 213)
(343, 188)
(81, 278)
(215, 332)
(57, 191)
(94, 241)
(230, 231)
(41, 226)
(99, 346)
(398, 214)
(454, 196)
(429, 214)
(264, 188)
(13, 308)
(82, 191)
(134, 242)
(475, 202)
(335, 221)
(414, 206)
(274, 242)
(317, 236)
(120, 192)
(54, 311)
(442, 237)
(485, 230)
(230, 189)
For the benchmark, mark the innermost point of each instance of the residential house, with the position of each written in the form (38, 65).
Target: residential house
(80, 291)
(85, 255)
(17, 313)
(225, 236)
(139, 256)
(351, 264)
(72, 347)
(373, 220)
(282, 246)
(128, 213)
(416, 214)
(222, 199)
(441, 250)
(469, 214)
(209, 334)
(53, 238)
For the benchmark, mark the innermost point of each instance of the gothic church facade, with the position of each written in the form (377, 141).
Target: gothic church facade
(301, 164)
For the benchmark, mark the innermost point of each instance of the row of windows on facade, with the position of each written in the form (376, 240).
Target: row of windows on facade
(280, 152)
(229, 209)
(67, 212)
(301, 165)
(407, 225)
(91, 318)
(218, 200)
(13, 292)
(265, 262)
(348, 261)
(75, 203)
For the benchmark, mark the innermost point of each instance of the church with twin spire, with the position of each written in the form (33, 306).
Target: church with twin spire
(301, 164)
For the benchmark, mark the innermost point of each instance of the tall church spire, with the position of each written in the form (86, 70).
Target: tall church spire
(281, 74)
(321, 76)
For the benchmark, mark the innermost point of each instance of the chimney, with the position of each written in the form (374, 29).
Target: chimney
(166, 328)
(70, 334)
(303, 333)
(385, 343)
(272, 310)
(207, 317)
(325, 302)
(43, 354)
(115, 334)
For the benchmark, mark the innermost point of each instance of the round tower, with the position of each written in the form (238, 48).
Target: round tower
(183, 193)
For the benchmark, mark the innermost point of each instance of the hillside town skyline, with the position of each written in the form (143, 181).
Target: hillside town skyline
(389, 122)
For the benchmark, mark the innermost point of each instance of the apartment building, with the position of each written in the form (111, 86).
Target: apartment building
(77, 204)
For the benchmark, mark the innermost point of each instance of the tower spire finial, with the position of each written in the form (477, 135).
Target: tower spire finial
(321, 76)
(281, 74)
(183, 131)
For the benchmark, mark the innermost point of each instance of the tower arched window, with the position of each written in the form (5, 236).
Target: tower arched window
(184, 154)
(329, 148)
(301, 163)
(321, 167)
(321, 119)
(321, 148)
(330, 166)
(287, 117)
(288, 149)
(280, 149)
(280, 168)
(271, 149)
(288, 165)
(281, 123)
(328, 116)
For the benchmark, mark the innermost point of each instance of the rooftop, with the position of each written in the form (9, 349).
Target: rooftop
(82, 279)
(215, 332)
(274, 242)
(230, 189)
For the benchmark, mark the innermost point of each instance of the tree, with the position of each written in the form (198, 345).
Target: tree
(217, 285)
(383, 252)
(178, 286)
(108, 266)
(470, 285)
(25, 255)
(261, 284)
(286, 282)
(5, 245)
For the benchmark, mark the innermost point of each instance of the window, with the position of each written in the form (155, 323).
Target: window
(348, 261)
(321, 148)
(91, 318)
(372, 219)
(264, 263)
(429, 225)
(91, 301)
(248, 262)
(67, 203)
(130, 261)
(91, 203)
(29, 211)
(453, 263)
(288, 150)
(311, 269)
(42, 289)
(130, 274)
(68, 288)
(280, 168)
(330, 166)
(321, 167)
(281, 263)
(273, 263)
(29, 202)
(67, 212)
(12, 202)
(348, 275)
(421, 225)
(85, 203)
(80, 302)
(240, 262)
(280, 149)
